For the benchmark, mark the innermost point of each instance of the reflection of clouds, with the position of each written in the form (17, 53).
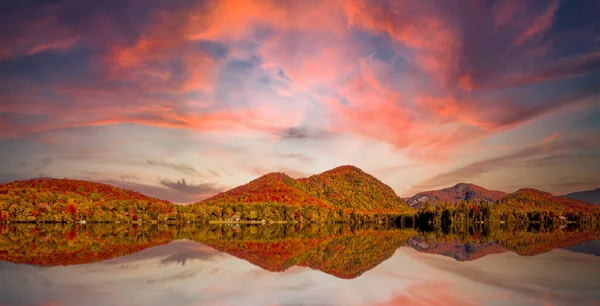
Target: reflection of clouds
(202, 254)
(174, 252)
(300, 286)
(177, 277)
(428, 294)
(129, 266)
(529, 277)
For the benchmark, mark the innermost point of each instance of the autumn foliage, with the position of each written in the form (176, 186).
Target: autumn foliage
(65, 200)
(343, 194)
(341, 250)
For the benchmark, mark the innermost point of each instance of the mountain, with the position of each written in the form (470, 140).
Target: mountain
(455, 194)
(350, 187)
(590, 196)
(269, 188)
(527, 199)
(48, 199)
(345, 187)
(78, 187)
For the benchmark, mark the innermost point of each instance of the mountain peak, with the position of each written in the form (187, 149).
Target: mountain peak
(273, 175)
(344, 169)
(455, 194)
(533, 191)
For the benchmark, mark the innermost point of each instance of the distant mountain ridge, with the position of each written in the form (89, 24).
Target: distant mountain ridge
(590, 196)
(455, 194)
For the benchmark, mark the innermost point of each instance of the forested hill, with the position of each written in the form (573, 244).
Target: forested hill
(527, 199)
(350, 187)
(267, 189)
(60, 200)
(346, 188)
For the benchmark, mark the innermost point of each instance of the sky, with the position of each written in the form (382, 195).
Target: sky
(184, 99)
(188, 273)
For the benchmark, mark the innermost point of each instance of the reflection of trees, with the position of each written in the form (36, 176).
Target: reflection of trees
(464, 242)
(339, 250)
(57, 244)
(342, 250)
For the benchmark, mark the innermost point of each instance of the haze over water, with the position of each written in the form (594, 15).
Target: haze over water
(347, 266)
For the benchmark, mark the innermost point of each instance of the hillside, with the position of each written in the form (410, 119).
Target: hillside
(590, 196)
(267, 189)
(455, 194)
(528, 199)
(350, 187)
(68, 200)
(331, 195)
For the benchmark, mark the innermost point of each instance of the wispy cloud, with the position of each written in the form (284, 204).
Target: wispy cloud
(179, 167)
(533, 155)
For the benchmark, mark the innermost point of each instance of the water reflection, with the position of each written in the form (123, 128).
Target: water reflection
(293, 265)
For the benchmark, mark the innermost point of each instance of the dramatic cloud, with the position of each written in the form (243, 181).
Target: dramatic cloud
(191, 86)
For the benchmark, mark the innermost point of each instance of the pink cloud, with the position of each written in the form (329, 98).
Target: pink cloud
(315, 65)
(540, 24)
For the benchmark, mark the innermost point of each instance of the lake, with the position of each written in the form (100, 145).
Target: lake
(278, 264)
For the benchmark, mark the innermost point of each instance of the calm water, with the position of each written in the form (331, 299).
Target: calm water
(293, 265)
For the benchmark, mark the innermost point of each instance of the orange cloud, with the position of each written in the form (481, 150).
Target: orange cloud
(314, 61)
(433, 40)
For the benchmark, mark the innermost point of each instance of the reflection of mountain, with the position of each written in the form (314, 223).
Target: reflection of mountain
(456, 249)
(455, 194)
(345, 254)
(341, 250)
(56, 244)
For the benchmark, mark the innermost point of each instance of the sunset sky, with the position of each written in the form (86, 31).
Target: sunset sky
(183, 99)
